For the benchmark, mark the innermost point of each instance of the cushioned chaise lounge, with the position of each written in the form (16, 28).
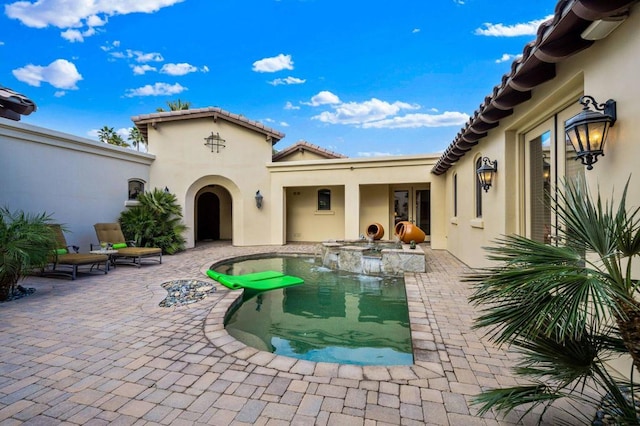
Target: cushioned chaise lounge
(66, 259)
(112, 233)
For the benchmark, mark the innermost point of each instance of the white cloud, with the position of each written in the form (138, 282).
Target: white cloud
(138, 56)
(59, 93)
(60, 73)
(284, 124)
(506, 57)
(178, 69)
(374, 154)
(290, 106)
(72, 36)
(1, 43)
(141, 69)
(273, 64)
(447, 118)
(204, 69)
(123, 132)
(96, 21)
(364, 112)
(82, 15)
(108, 47)
(376, 113)
(415, 30)
(158, 89)
(77, 36)
(501, 30)
(287, 80)
(323, 98)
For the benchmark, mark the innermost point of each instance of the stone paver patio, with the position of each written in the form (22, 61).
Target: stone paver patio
(99, 350)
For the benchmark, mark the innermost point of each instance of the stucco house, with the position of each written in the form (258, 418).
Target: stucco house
(588, 48)
(220, 164)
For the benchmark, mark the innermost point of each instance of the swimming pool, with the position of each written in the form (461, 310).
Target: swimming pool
(334, 316)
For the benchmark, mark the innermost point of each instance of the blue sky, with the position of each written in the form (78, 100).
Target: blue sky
(360, 78)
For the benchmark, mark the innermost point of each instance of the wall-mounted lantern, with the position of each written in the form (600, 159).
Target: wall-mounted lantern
(214, 141)
(587, 131)
(486, 173)
(259, 199)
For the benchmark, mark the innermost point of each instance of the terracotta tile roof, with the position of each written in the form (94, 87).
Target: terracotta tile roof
(143, 121)
(306, 146)
(13, 104)
(557, 39)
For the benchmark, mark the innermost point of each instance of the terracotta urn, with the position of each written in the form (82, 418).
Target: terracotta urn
(375, 231)
(407, 232)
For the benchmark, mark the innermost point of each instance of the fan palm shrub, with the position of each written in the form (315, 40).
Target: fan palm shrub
(155, 222)
(26, 243)
(568, 309)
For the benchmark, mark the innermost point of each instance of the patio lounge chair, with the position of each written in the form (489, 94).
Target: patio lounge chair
(112, 233)
(66, 259)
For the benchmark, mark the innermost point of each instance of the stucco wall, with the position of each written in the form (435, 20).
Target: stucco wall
(367, 188)
(376, 202)
(186, 165)
(306, 223)
(606, 70)
(302, 155)
(78, 181)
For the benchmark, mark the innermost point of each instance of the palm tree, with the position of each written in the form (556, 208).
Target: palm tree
(155, 222)
(567, 309)
(108, 135)
(135, 137)
(176, 105)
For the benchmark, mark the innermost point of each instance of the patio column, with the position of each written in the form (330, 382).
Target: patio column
(352, 211)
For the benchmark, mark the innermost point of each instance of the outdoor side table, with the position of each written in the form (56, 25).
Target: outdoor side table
(110, 253)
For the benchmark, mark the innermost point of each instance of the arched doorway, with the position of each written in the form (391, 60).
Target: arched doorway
(208, 217)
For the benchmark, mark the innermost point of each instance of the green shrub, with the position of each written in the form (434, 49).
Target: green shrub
(26, 243)
(156, 222)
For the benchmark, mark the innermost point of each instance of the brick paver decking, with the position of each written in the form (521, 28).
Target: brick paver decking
(99, 350)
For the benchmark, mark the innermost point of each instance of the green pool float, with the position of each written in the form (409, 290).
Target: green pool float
(259, 281)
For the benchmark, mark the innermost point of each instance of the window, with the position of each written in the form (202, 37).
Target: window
(478, 188)
(136, 187)
(324, 199)
(455, 195)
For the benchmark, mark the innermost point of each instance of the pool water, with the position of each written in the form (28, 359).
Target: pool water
(334, 316)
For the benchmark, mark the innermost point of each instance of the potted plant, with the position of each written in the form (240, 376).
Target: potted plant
(26, 243)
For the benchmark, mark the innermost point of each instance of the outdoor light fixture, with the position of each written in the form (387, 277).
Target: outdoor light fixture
(546, 169)
(587, 131)
(214, 141)
(486, 172)
(259, 199)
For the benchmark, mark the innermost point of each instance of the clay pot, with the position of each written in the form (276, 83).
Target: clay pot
(407, 232)
(375, 231)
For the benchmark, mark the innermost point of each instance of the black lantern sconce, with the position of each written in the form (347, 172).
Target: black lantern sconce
(214, 141)
(259, 199)
(587, 131)
(486, 173)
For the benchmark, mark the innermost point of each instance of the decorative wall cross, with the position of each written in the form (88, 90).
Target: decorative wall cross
(215, 141)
